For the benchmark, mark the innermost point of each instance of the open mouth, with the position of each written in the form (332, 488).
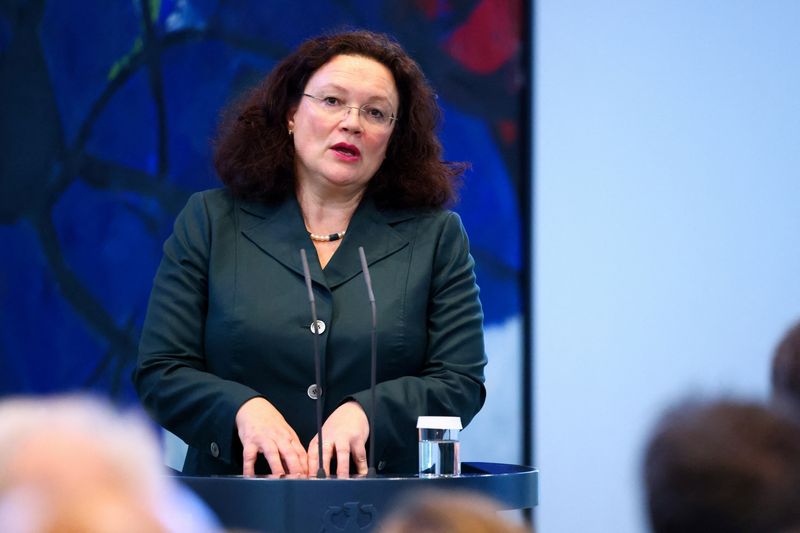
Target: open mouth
(347, 150)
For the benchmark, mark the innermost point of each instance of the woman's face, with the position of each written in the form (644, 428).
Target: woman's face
(337, 148)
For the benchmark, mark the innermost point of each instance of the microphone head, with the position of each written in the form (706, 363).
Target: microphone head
(365, 270)
(306, 274)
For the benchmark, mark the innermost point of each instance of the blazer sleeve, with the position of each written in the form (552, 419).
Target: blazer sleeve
(451, 382)
(171, 377)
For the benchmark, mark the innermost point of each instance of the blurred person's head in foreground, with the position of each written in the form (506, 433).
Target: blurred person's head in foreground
(74, 463)
(448, 512)
(786, 366)
(724, 466)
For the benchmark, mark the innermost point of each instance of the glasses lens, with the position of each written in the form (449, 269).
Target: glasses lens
(375, 114)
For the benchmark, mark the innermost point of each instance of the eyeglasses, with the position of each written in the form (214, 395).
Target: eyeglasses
(378, 115)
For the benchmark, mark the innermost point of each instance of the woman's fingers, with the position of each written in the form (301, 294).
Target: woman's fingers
(300, 452)
(327, 453)
(345, 434)
(343, 460)
(343, 450)
(273, 459)
(313, 457)
(328, 450)
(268, 450)
(360, 458)
(290, 458)
(262, 429)
(249, 459)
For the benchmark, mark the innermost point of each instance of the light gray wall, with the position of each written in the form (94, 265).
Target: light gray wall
(667, 228)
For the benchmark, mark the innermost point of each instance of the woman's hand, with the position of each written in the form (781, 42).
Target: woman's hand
(263, 429)
(346, 432)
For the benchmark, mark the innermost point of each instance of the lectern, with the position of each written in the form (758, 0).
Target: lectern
(279, 505)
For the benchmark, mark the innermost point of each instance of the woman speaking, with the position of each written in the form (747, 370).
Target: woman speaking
(336, 149)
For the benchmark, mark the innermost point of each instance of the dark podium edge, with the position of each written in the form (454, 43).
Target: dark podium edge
(357, 504)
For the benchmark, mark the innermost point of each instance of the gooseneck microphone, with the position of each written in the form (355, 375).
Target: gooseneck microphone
(374, 353)
(317, 365)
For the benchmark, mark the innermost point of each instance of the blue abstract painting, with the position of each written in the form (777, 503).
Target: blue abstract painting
(109, 108)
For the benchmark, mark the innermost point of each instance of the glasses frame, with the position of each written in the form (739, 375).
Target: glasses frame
(361, 112)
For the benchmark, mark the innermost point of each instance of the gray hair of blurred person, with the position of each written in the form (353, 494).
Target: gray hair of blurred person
(75, 461)
(724, 466)
(448, 512)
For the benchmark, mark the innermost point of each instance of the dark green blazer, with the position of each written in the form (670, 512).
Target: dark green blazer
(228, 320)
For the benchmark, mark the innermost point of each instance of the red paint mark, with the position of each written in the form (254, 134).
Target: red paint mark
(508, 130)
(433, 9)
(489, 37)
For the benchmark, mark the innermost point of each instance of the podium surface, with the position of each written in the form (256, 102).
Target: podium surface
(286, 504)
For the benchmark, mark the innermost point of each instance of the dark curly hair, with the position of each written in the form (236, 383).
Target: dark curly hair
(254, 154)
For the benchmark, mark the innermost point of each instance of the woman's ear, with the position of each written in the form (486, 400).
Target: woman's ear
(290, 119)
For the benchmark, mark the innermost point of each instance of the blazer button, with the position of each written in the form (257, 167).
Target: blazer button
(381, 465)
(320, 329)
(215, 449)
(314, 392)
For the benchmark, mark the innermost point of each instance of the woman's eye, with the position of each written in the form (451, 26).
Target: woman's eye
(374, 112)
(331, 100)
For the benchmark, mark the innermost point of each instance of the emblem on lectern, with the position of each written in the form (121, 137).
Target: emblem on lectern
(352, 516)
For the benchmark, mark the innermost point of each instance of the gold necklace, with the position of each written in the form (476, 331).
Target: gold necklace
(326, 238)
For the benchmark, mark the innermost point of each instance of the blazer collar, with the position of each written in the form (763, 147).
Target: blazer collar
(279, 231)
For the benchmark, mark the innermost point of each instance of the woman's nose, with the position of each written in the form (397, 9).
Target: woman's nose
(351, 120)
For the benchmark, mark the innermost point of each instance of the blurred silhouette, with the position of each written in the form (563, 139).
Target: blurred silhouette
(75, 464)
(786, 366)
(448, 512)
(724, 466)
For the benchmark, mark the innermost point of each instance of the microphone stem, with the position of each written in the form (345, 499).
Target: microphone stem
(317, 363)
(318, 379)
(373, 380)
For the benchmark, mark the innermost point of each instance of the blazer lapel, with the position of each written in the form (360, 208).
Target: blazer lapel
(279, 231)
(372, 229)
